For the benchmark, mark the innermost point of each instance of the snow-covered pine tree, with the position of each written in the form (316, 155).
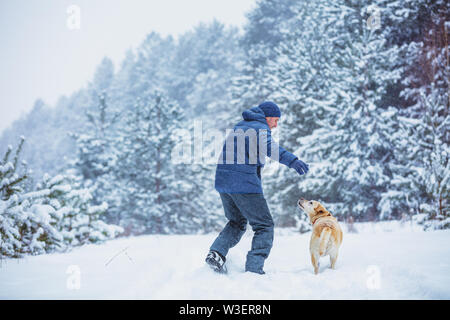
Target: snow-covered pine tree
(265, 23)
(36, 126)
(10, 187)
(74, 214)
(121, 89)
(24, 228)
(11, 180)
(421, 164)
(264, 31)
(96, 156)
(433, 173)
(93, 146)
(55, 216)
(351, 145)
(207, 59)
(151, 70)
(145, 165)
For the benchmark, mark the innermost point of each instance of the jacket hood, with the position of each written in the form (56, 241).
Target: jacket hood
(254, 114)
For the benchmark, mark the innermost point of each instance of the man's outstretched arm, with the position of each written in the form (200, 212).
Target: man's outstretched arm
(278, 153)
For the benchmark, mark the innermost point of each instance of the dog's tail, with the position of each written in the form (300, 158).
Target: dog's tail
(324, 238)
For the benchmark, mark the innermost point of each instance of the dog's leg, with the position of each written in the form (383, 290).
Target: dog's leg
(333, 258)
(315, 262)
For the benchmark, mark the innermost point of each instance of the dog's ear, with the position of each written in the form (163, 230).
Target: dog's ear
(320, 210)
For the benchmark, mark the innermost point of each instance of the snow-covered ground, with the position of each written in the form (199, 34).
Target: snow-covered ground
(381, 261)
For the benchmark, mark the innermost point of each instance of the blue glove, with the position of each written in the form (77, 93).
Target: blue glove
(299, 166)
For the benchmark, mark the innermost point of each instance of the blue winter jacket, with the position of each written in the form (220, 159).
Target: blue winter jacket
(243, 154)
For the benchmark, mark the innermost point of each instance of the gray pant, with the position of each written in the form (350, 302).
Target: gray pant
(240, 209)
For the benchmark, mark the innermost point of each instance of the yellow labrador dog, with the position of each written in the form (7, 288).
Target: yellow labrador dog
(326, 236)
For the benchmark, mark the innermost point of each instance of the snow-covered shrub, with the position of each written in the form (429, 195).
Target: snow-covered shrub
(25, 229)
(73, 214)
(22, 229)
(54, 217)
(430, 219)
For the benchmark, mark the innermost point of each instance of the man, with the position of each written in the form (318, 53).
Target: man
(238, 181)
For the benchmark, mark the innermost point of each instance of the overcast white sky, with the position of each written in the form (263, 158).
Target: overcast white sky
(41, 57)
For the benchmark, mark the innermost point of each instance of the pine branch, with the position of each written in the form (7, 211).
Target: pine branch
(6, 157)
(19, 150)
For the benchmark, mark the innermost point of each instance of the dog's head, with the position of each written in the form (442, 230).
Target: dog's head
(314, 209)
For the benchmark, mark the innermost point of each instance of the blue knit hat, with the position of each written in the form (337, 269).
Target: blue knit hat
(270, 109)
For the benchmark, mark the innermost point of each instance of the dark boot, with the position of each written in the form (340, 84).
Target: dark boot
(216, 261)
